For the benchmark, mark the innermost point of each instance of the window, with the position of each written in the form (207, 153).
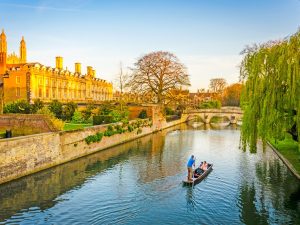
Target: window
(40, 81)
(53, 83)
(18, 92)
(47, 93)
(40, 92)
(18, 79)
(47, 81)
(53, 92)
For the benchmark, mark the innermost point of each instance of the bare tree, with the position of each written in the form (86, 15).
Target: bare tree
(158, 72)
(122, 83)
(217, 85)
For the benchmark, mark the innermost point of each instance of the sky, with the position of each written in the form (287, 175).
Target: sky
(206, 35)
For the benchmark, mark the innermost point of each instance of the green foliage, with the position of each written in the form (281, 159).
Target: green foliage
(94, 138)
(88, 112)
(72, 126)
(56, 107)
(289, 149)
(68, 111)
(214, 104)
(38, 104)
(77, 117)
(57, 123)
(130, 128)
(102, 119)
(20, 106)
(143, 114)
(271, 97)
(45, 111)
(169, 111)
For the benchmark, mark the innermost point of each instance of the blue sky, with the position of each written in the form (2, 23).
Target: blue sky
(207, 36)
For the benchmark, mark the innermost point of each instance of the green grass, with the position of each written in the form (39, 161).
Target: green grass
(73, 126)
(289, 149)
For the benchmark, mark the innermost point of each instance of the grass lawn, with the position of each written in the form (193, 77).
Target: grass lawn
(73, 126)
(289, 149)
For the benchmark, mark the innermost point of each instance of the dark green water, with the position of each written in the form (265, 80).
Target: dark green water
(140, 183)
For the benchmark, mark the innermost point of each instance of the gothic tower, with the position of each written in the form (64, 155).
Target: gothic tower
(3, 52)
(23, 51)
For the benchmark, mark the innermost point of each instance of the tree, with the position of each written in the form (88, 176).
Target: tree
(217, 85)
(56, 107)
(232, 94)
(38, 104)
(158, 72)
(271, 97)
(68, 111)
(20, 106)
(122, 83)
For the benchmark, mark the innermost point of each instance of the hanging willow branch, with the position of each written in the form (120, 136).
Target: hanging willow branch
(271, 96)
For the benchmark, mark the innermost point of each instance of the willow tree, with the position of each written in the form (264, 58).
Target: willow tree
(271, 96)
(158, 73)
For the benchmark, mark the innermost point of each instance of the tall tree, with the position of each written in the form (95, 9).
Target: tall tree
(122, 83)
(271, 97)
(158, 73)
(232, 94)
(217, 85)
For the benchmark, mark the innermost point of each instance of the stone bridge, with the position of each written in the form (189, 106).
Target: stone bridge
(233, 114)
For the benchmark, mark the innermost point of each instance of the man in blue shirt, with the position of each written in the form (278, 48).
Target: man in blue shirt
(190, 165)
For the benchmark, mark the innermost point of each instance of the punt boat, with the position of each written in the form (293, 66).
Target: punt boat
(198, 179)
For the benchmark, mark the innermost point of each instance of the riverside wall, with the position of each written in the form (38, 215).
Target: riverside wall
(25, 155)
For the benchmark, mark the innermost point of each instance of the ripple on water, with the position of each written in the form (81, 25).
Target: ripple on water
(141, 183)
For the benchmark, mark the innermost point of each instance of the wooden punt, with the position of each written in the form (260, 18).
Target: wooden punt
(201, 177)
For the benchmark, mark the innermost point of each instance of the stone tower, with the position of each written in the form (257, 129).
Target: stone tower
(23, 57)
(3, 52)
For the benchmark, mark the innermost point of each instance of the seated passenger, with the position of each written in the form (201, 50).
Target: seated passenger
(204, 166)
(198, 171)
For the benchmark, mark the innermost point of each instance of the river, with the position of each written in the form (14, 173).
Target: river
(140, 182)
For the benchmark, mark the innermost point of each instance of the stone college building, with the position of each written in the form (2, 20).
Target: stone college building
(20, 79)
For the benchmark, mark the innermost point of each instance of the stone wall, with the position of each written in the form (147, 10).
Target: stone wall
(21, 156)
(134, 111)
(26, 124)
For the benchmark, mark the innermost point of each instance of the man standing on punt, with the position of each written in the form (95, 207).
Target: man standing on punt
(190, 165)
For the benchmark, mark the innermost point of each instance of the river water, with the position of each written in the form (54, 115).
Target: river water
(140, 182)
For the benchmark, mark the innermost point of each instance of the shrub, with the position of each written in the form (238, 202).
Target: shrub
(102, 119)
(130, 128)
(94, 138)
(169, 111)
(57, 123)
(77, 117)
(143, 114)
(56, 107)
(68, 111)
(20, 106)
(38, 104)
(45, 111)
(210, 105)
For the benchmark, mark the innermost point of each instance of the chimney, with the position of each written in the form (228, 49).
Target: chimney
(78, 67)
(59, 62)
(90, 71)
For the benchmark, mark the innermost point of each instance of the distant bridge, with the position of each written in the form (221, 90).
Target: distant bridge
(233, 114)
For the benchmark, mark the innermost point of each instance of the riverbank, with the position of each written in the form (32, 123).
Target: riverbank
(288, 152)
(25, 155)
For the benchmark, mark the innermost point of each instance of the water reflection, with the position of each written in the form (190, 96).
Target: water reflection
(249, 213)
(42, 189)
(140, 182)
